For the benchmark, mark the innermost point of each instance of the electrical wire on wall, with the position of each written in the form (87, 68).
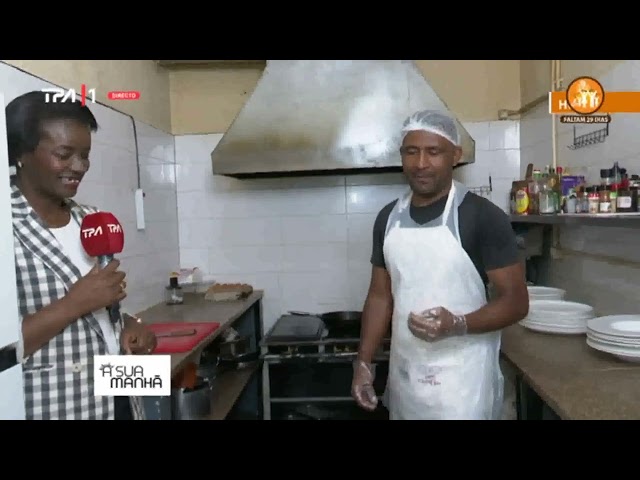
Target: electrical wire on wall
(135, 141)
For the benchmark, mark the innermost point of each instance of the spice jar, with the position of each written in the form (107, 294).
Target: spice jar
(582, 202)
(593, 199)
(173, 292)
(625, 201)
(605, 199)
(571, 204)
(547, 201)
(520, 197)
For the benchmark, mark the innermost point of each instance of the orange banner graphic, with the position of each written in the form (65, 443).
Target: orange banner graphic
(614, 102)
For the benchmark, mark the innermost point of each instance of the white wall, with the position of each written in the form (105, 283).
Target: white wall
(12, 406)
(610, 286)
(150, 255)
(306, 242)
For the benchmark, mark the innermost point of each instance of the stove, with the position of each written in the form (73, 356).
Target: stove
(308, 368)
(296, 337)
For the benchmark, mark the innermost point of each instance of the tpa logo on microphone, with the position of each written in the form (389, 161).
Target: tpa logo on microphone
(97, 231)
(101, 234)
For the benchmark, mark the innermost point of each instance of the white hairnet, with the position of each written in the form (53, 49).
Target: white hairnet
(435, 122)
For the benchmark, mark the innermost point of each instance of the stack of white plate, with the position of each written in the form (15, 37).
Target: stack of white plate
(558, 316)
(546, 293)
(618, 335)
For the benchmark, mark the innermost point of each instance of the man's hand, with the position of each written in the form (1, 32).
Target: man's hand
(136, 339)
(362, 385)
(437, 323)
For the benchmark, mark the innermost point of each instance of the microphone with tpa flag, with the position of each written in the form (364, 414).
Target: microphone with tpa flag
(102, 237)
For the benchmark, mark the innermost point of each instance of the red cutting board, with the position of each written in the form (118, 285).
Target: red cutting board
(181, 344)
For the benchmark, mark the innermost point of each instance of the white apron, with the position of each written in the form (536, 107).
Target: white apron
(453, 378)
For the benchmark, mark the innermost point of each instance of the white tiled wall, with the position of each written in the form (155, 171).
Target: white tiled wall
(148, 255)
(611, 287)
(306, 242)
(497, 156)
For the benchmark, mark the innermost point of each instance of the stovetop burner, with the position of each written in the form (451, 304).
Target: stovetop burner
(295, 328)
(299, 330)
(297, 337)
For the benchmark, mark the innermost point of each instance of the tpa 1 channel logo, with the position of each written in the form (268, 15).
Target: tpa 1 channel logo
(59, 95)
(132, 375)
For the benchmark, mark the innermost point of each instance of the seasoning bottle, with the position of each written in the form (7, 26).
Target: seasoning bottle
(624, 201)
(593, 199)
(553, 181)
(534, 193)
(520, 197)
(605, 199)
(546, 199)
(173, 292)
(571, 202)
(582, 203)
(585, 200)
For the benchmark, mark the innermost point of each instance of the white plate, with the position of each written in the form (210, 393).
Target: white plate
(558, 329)
(541, 312)
(563, 320)
(627, 354)
(533, 298)
(626, 326)
(622, 341)
(546, 292)
(560, 308)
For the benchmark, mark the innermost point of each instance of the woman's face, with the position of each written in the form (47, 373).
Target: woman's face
(60, 160)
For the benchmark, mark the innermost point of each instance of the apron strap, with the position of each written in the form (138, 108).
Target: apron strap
(449, 204)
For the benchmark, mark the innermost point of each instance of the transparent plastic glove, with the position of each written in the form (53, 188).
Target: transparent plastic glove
(437, 323)
(362, 385)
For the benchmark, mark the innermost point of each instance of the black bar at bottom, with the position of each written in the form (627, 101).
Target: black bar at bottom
(8, 358)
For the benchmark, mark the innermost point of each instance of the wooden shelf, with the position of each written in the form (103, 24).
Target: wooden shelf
(227, 389)
(622, 220)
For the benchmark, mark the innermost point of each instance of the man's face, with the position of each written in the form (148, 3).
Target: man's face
(56, 167)
(428, 160)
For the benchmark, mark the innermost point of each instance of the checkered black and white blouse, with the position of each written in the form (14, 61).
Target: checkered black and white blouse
(58, 378)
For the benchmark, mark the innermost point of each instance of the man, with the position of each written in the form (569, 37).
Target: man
(435, 250)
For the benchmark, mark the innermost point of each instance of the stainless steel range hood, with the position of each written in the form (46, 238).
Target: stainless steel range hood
(309, 117)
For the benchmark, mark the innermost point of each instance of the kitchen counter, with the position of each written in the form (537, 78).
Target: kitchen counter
(574, 380)
(197, 309)
(230, 385)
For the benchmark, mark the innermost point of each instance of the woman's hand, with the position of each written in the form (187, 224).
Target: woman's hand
(137, 339)
(98, 289)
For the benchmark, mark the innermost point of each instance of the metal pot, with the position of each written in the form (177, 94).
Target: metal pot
(192, 403)
(235, 347)
(238, 361)
(208, 371)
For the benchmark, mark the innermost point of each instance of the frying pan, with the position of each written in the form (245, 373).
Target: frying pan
(337, 321)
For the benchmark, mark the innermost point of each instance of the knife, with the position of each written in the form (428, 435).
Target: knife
(179, 333)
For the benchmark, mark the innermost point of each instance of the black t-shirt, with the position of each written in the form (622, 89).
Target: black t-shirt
(485, 231)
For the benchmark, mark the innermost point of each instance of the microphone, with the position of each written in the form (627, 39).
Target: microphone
(102, 236)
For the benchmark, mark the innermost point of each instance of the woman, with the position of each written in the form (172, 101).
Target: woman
(62, 296)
